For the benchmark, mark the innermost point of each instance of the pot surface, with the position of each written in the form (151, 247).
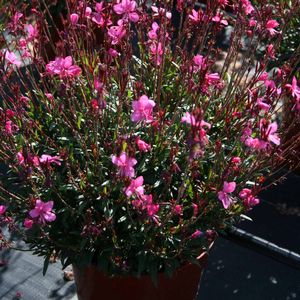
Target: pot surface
(94, 285)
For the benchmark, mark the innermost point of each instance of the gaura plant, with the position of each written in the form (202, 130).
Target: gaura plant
(136, 142)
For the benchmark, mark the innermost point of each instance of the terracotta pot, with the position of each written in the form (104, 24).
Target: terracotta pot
(94, 285)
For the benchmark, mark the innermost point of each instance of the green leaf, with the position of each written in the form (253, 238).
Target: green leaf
(46, 264)
(142, 258)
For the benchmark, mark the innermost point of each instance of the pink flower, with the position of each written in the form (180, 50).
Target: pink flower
(48, 159)
(263, 77)
(255, 143)
(161, 11)
(42, 211)
(294, 88)
(247, 6)
(190, 119)
(10, 128)
(113, 53)
(63, 67)
(2, 210)
(116, 33)
(33, 32)
(223, 3)
(142, 110)
(127, 8)
(98, 19)
(195, 209)
(199, 63)
(49, 96)
(135, 187)
(270, 51)
(143, 146)
(20, 158)
(12, 58)
(196, 234)
(156, 51)
(28, 223)
(178, 210)
(262, 105)
(223, 196)
(125, 164)
(88, 12)
(218, 19)
(74, 19)
(16, 17)
(270, 133)
(249, 199)
(197, 16)
(152, 209)
(271, 24)
(236, 160)
(153, 33)
(212, 78)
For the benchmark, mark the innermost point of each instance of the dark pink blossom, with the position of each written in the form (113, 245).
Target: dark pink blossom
(143, 146)
(178, 210)
(262, 105)
(196, 234)
(152, 34)
(270, 51)
(212, 78)
(156, 52)
(196, 17)
(294, 88)
(199, 63)
(236, 160)
(74, 18)
(116, 33)
(135, 187)
(43, 212)
(125, 164)
(247, 7)
(271, 25)
(218, 19)
(248, 199)
(88, 12)
(10, 128)
(127, 8)
(142, 110)
(271, 132)
(63, 67)
(20, 158)
(28, 223)
(113, 53)
(223, 196)
(2, 210)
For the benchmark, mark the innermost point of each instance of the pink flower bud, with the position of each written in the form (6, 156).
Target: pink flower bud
(28, 223)
(88, 12)
(2, 209)
(178, 210)
(74, 19)
(196, 234)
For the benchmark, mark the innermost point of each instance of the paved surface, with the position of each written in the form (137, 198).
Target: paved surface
(233, 272)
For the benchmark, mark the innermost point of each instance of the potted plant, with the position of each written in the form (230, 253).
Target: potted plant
(126, 154)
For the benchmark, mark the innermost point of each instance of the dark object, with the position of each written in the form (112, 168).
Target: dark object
(264, 247)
